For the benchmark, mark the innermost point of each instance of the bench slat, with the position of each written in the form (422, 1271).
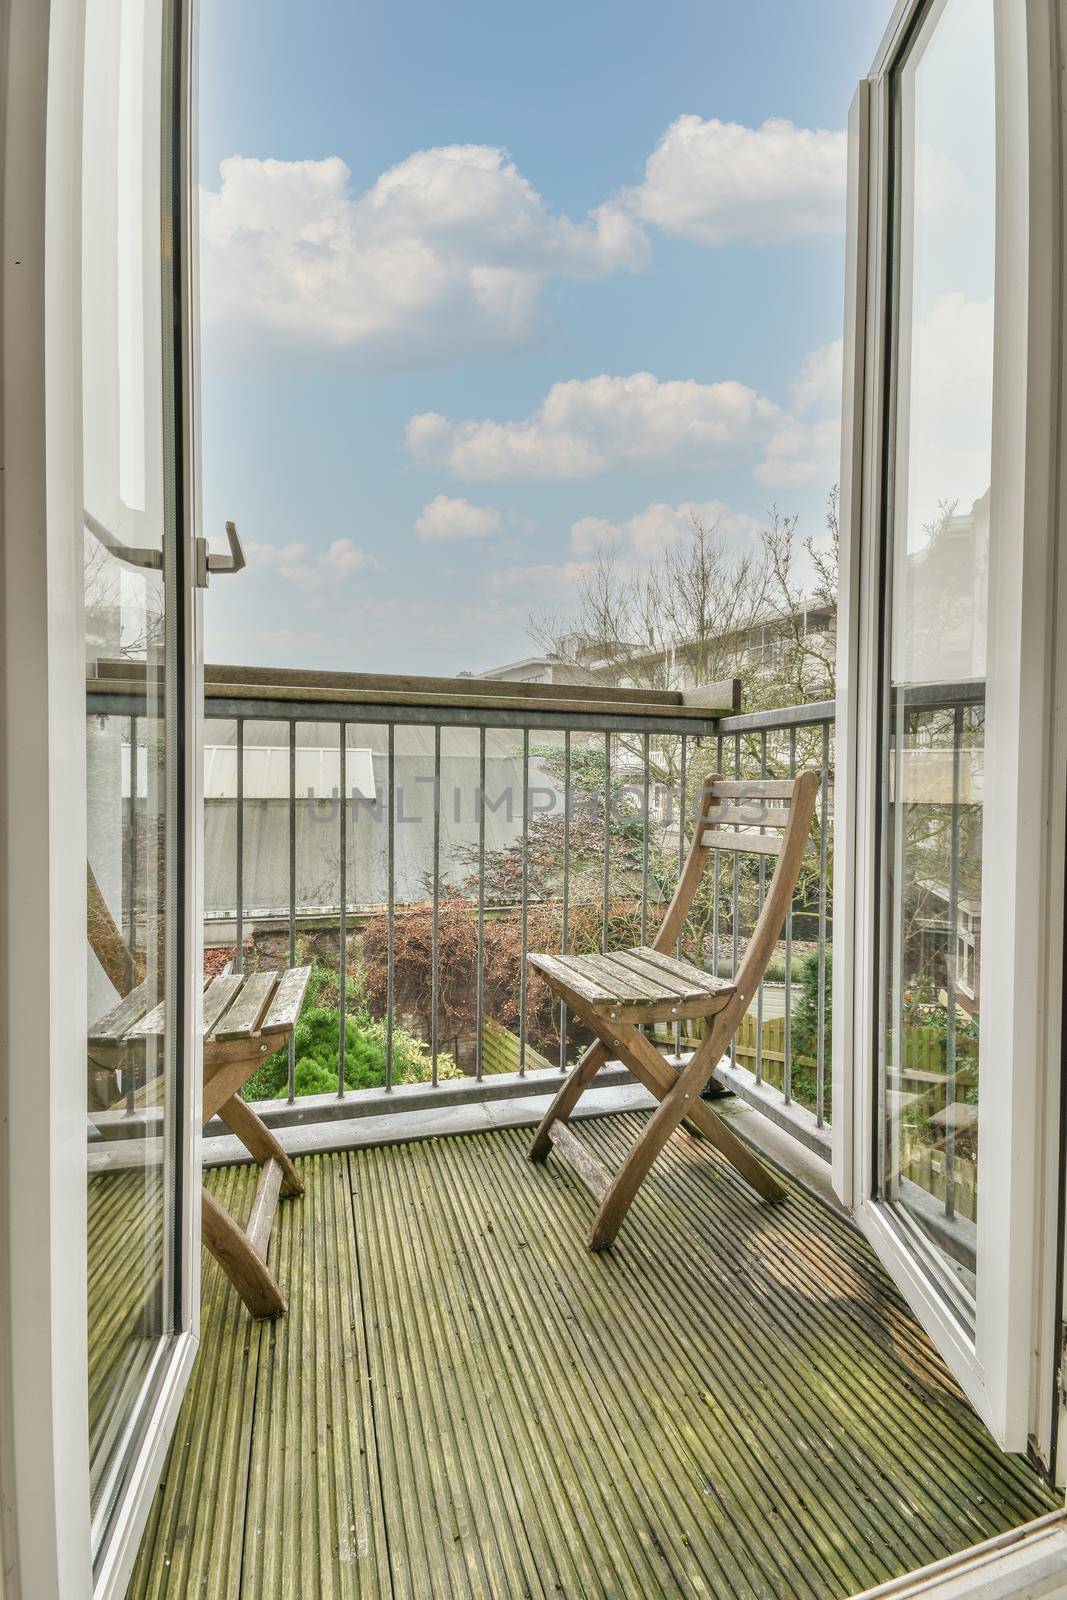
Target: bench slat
(113, 1028)
(288, 998)
(219, 998)
(243, 1015)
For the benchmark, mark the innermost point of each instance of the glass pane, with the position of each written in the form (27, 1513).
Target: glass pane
(938, 547)
(129, 748)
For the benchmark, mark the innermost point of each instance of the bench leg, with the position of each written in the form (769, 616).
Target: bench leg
(567, 1097)
(246, 1270)
(260, 1143)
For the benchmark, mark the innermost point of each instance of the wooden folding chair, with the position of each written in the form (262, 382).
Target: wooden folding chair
(612, 994)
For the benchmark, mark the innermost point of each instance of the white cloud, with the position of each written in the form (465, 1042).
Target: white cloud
(588, 426)
(312, 570)
(445, 520)
(722, 183)
(542, 584)
(650, 531)
(446, 252)
(807, 444)
(801, 451)
(818, 383)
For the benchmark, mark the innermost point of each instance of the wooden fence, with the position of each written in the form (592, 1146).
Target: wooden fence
(500, 1050)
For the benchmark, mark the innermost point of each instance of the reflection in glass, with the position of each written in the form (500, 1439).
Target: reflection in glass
(938, 540)
(131, 906)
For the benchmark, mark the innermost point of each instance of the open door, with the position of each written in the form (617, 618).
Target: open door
(143, 693)
(944, 1070)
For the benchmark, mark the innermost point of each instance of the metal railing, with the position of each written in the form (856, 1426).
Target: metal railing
(779, 743)
(394, 834)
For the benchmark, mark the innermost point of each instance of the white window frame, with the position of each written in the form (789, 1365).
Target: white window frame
(1022, 893)
(44, 1458)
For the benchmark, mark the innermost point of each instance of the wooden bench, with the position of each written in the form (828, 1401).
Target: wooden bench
(246, 1017)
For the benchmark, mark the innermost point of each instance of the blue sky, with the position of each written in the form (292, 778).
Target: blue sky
(522, 209)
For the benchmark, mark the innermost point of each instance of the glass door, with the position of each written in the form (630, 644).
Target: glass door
(140, 697)
(936, 589)
(946, 1062)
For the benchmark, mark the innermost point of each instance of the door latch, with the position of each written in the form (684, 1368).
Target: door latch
(206, 563)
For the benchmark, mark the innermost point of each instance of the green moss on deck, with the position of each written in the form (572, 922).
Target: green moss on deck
(464, 1403)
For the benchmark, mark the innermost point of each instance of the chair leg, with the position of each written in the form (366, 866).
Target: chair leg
(567, 1097)
(660, 1078)
(680, 1101)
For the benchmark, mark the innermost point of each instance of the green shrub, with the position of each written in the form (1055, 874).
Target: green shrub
(805, 1035)
(316, 1042)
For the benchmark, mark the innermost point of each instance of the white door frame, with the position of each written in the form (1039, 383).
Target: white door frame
(1023, 903)
(44, 1461)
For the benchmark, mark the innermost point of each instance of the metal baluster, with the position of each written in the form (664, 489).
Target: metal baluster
(787, 1066)
(824, 790)
(390, 987)
(239, 954)
(762, 889)
(436, 916)
(342, 962)
(129, 1074)
(525, 893)
(682, 814)
(644, 847)
(952, 965)
(564, 931)
(715, 864)
(478, 1058)
(607, 840)
(292, 895)
(736, 914)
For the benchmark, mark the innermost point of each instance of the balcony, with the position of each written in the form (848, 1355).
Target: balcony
(462, 1400)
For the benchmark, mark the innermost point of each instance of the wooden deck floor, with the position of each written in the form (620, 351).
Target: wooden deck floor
(463, 1403)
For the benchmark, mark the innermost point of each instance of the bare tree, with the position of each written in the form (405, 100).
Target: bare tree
(802, 667)
(683, 618)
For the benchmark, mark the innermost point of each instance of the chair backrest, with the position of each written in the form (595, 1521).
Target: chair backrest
(731, 814)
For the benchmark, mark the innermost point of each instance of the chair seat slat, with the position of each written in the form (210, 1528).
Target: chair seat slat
(680, 983)
(560, 967)
(617, 980)
(683, 969)
(652, 981)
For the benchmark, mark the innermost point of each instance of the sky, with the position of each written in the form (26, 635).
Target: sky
(487, 288)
